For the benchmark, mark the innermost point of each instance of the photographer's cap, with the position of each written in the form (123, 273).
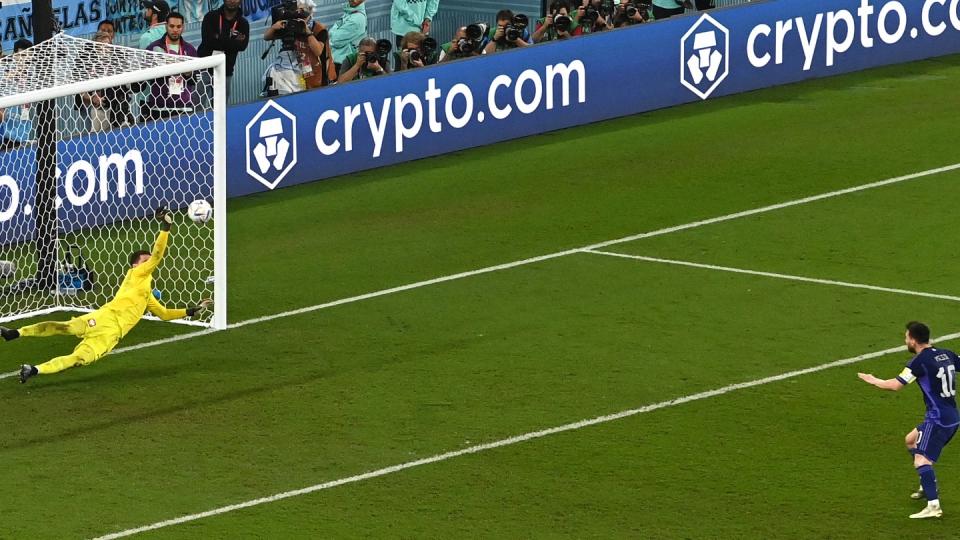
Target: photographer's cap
(160, 6)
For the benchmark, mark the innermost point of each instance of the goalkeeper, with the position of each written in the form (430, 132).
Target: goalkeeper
(101, 330)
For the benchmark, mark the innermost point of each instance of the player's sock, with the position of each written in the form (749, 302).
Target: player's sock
(928, 480)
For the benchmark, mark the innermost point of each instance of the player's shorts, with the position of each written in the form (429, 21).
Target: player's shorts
(100, 332)
(931, 439)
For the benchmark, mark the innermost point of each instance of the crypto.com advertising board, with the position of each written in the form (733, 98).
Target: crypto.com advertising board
(452, 106)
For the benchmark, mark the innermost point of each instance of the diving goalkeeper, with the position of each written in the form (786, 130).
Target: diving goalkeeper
(101, 330)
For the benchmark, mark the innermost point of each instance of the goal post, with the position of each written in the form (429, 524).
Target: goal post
(132, 130)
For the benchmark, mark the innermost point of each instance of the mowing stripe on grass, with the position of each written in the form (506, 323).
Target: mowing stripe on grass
(514, 264)
(510, 441)
(775, 275)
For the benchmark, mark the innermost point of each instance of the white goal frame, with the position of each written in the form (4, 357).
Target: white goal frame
(216, 63)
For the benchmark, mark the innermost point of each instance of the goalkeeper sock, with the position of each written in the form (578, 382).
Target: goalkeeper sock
(928, 480)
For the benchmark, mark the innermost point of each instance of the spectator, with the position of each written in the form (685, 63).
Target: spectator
(226, 31)
(106, 108)
(367, 62)
(664, 9)
(558, 24)
(16, 123)
(454, 50)
(498, 38)
(155, 12)
(411, 16)
(630, 14)
(304, 60)
(172, 95)
(348, 31)
(91, 105)
(703, 5)
(107, 27)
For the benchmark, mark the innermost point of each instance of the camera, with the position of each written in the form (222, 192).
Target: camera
(642, 7)
(475, 34)
(294, 27)
(427, 47)
(590, 15)
(379, 54)
(562, 22)
(606, 8)
(514, 30)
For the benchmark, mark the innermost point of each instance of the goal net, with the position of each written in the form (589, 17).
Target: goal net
(93, 139)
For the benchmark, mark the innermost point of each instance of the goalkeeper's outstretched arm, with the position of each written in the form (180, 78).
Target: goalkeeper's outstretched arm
(159, 247)
(168, 314)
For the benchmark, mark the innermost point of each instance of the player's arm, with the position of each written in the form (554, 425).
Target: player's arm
(904, 378)
(159, 247)
(169, 314)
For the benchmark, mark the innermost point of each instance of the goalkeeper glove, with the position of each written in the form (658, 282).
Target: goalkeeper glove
(164, 217)
(191, 311)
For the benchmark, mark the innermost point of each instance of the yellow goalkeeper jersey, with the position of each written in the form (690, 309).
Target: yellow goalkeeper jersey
(135, 295)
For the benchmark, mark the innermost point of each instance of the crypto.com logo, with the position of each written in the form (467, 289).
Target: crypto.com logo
(271, 144)
(704, 54)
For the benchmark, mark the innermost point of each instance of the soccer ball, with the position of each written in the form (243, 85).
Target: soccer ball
(200, 211)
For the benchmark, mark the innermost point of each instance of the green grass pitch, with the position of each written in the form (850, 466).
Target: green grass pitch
(194, 425)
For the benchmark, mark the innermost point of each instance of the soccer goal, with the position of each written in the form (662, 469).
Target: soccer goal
(93, 139)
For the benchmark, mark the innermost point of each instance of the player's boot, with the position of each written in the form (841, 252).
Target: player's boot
(930, 511)
(918, 494)
(27, 371)
(8, 333)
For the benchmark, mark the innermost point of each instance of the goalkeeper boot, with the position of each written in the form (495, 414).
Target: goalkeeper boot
(9, 333)
(27, 371)
(918, 494)
(930, 511)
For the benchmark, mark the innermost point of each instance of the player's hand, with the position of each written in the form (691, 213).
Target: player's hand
(164, 217)
(867, 378)
(204, 305)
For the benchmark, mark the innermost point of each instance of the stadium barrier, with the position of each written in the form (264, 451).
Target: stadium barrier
(449, 107)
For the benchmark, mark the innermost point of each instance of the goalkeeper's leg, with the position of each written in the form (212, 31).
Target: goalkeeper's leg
(86, 352)
(82, 355)
(73, 327)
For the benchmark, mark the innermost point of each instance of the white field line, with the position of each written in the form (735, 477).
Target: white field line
(532, 260)
(510, 441)
(775, 275)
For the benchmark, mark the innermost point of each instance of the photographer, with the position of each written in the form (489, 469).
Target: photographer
(225, 30)
(558, 24)
(628, 14)
(455, 50)
(664, 9)
(511, 32)
(416, 50)
(593, 16)
(371, 60)
(303, 61)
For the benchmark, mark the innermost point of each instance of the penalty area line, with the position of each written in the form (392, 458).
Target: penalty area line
(509, 441)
